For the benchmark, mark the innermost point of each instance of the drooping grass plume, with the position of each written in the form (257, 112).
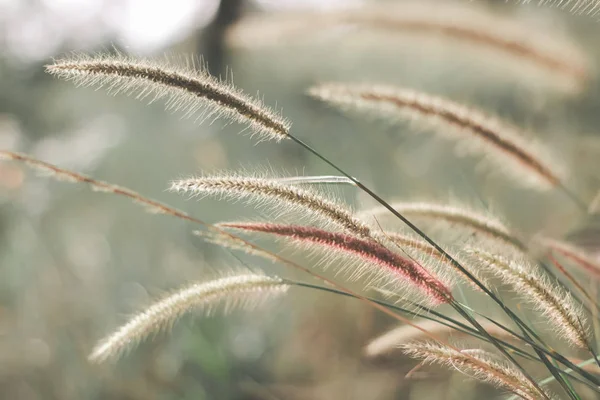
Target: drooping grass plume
(480, 364)
(393, 339)
(481, 134)
(194, 92)
(378, 261)
(234, 291)
(562, 313)
(552, 58)
(272, 191)
(480, 224)
(419, 251)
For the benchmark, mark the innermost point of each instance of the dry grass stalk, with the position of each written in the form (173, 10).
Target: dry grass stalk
(58, 173)
(185, 89)
(393, 339)
(480, 133)
(564, 315)
(235, 291)
(479, 364)
(283, 196)
(379, 261)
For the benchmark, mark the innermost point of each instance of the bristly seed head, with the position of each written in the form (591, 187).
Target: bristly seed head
(483, 365)
(273, 190)
(385, 262)
(478, 132)
(184, 88)
(236, 291)
(559, 307)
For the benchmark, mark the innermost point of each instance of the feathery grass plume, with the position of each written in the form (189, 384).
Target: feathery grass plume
(234, 291)
(552, 58)
(480, 364)
(185, 89)
(273, 191)
(478, 132)
(575, 254)
(392, 339)
(378, 261)
(484, 225)
(557, 305)
(423, 252)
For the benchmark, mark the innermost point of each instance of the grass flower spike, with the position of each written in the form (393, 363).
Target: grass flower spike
(187, 90)
(378, 260)
(558, 306)
(274, 191)
(480, 133)
(234, 291)
(480, 364)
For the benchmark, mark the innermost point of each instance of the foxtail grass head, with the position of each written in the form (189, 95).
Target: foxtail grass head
(233, 291)
(191, 92)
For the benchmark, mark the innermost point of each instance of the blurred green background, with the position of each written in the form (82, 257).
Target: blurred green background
(74, 263)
